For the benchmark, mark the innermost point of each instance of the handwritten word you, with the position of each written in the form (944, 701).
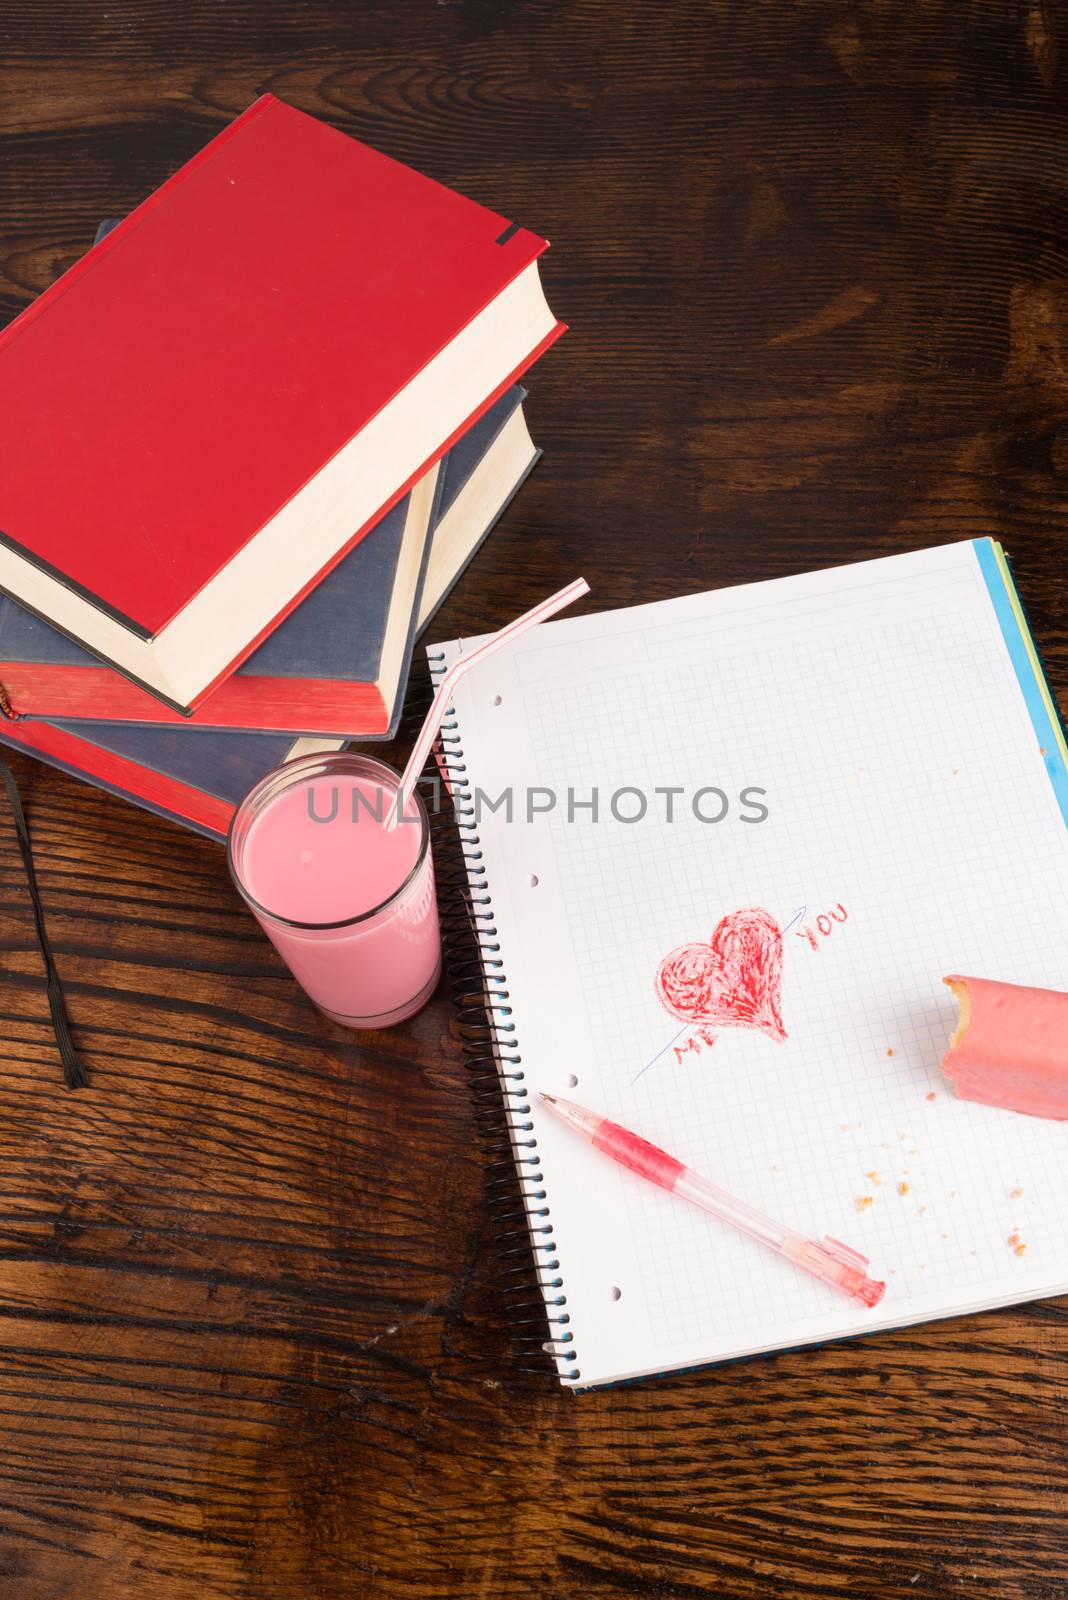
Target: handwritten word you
(824, 926)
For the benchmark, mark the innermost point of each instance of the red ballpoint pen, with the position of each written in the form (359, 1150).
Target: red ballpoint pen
(826, 1258)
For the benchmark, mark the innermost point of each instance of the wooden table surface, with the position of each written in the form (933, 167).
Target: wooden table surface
(815, 261)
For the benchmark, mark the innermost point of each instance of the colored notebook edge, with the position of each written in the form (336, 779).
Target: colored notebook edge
(1045, 715)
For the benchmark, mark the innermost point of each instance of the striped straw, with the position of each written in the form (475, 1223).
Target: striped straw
(459, 669)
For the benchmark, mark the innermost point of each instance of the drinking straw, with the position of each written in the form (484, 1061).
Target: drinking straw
(459, 669)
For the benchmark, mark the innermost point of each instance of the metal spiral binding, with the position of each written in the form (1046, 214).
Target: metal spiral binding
(528, 1265)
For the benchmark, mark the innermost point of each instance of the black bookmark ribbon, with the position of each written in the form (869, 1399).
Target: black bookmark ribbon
(73, 1071)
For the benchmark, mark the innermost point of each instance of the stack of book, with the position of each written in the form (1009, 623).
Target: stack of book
(251, 440)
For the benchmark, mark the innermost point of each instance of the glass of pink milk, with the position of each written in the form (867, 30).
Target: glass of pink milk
(347, 903)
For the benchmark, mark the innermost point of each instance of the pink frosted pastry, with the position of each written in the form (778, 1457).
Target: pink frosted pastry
(1010, 1048)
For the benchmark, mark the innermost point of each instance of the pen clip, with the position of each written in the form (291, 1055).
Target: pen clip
(843, 1254)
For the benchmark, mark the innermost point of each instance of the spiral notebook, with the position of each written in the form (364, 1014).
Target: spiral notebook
(870, 754)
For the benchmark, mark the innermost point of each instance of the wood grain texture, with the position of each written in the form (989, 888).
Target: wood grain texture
(815, 261)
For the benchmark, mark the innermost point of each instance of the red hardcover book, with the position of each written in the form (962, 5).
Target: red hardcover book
(204, 414)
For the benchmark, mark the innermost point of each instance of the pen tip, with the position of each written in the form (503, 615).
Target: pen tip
(549, 1098)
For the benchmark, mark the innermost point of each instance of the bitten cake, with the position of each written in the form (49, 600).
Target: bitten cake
(1010, 1048)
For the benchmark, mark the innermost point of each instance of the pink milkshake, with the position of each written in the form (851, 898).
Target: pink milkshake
(347, 903)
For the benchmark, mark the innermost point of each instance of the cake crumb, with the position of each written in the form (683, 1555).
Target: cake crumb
(1021, 1249)
(932, 1095)
(1014, 1238)
(889, 1052)
(873, 1177)
(903, 1188)
(1017, 1194)
(862, 1202)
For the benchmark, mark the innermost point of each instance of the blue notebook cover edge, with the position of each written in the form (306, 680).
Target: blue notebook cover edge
(1027, 664)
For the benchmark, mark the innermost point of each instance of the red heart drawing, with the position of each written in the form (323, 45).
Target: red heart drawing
(733, 981)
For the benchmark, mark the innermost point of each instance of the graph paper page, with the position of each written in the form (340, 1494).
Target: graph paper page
(911, 831)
